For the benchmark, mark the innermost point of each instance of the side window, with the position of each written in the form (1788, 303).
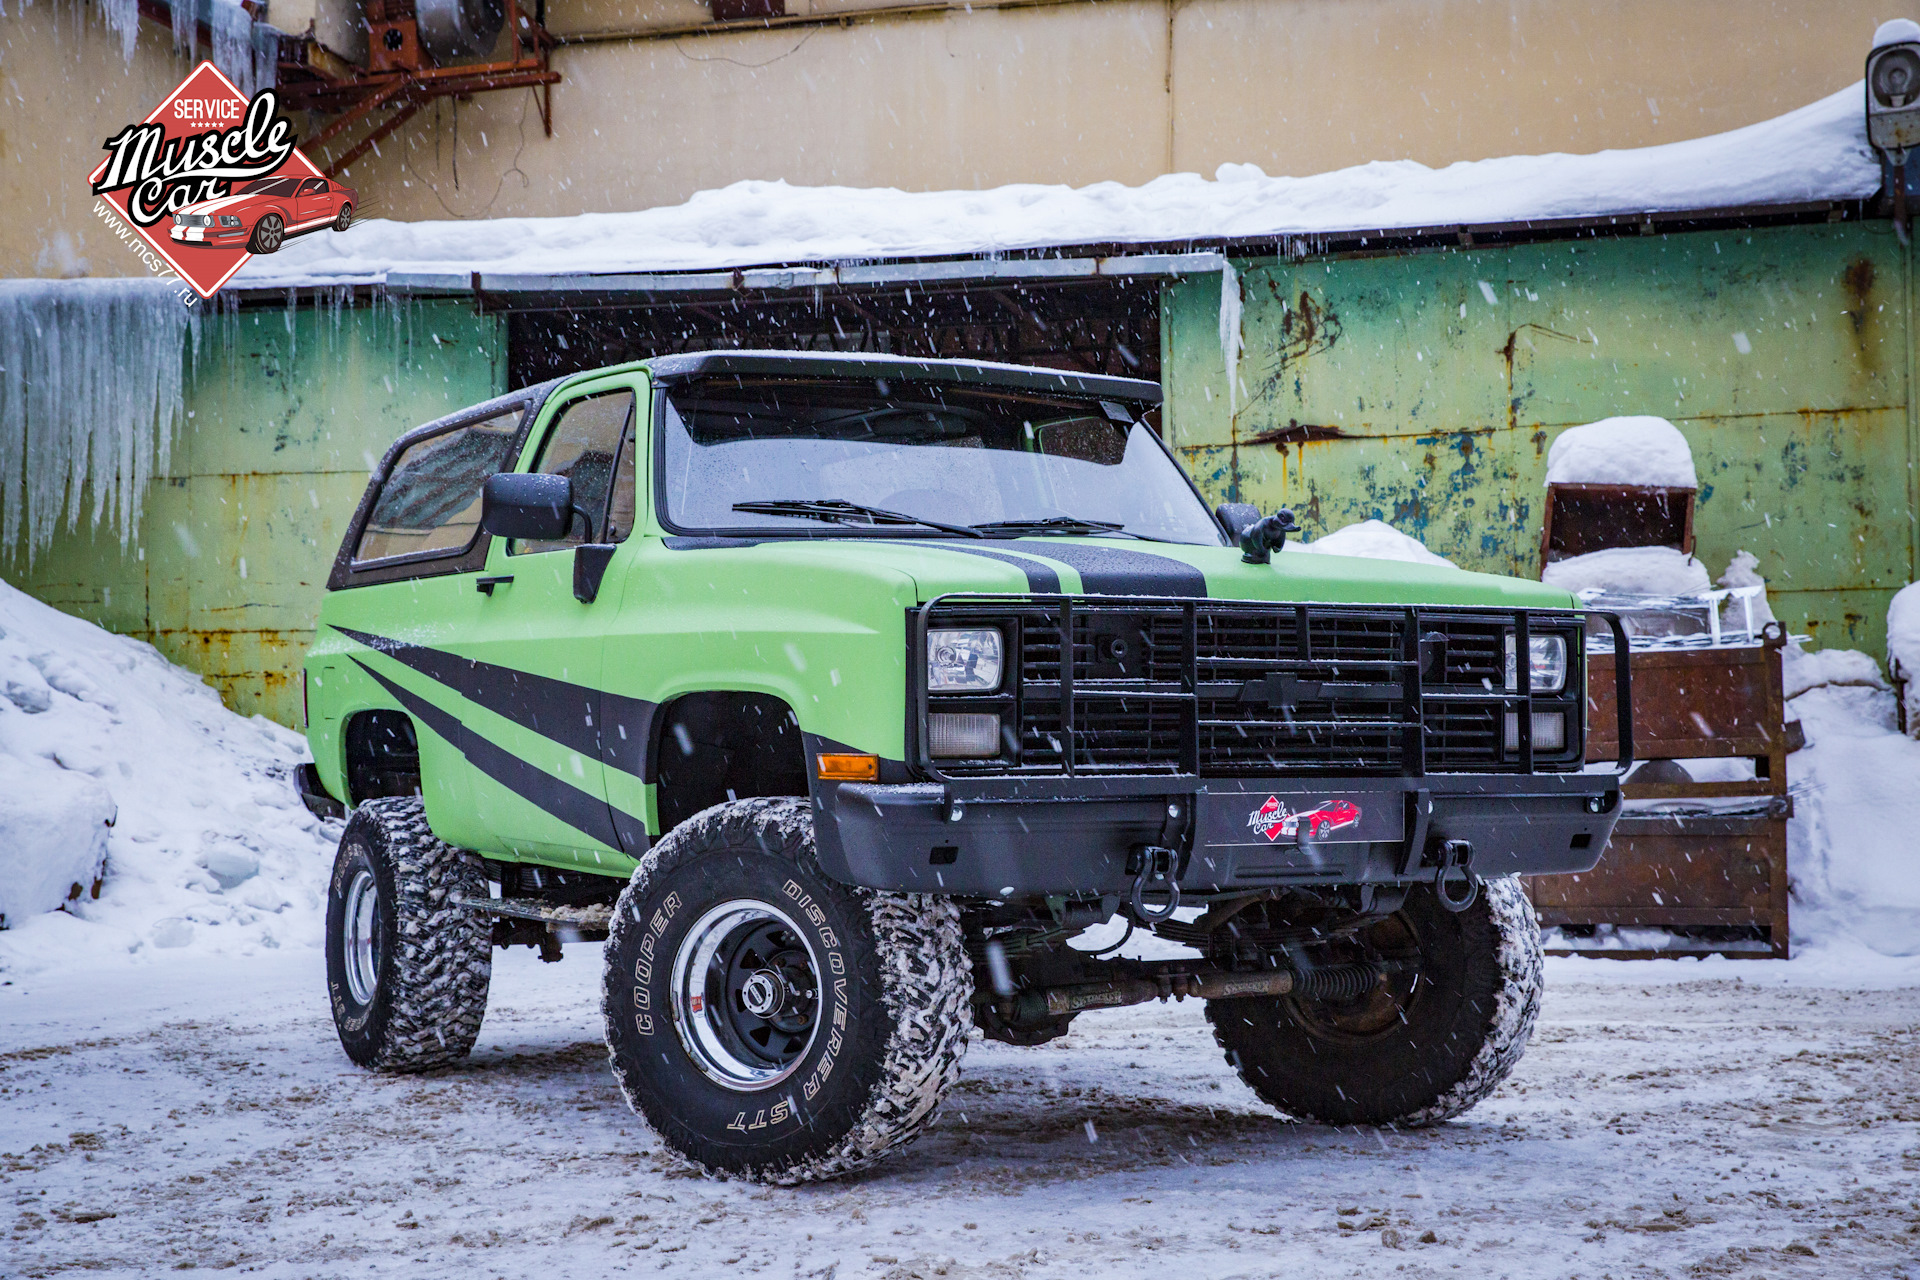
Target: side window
(584, 444)
(430, 503)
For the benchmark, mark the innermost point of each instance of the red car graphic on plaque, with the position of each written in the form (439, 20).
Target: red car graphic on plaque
(1274, 820)
(262, 214)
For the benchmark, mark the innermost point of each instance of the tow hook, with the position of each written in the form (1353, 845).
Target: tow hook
(1152, 866)
(1456, 855)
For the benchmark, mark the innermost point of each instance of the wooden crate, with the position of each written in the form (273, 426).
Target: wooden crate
(1689, 871)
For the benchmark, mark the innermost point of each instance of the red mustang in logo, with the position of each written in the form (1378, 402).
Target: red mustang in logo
(262, 214)
(1274, 820)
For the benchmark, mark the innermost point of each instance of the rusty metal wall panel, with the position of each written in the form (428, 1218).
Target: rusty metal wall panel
(290, 409)
(1425, 389)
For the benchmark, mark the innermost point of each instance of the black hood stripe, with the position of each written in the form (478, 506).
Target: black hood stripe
(573, 715)
(585, 813)
(1107, 570)
(1042, 579)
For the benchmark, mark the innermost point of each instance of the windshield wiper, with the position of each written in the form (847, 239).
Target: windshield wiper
(840, 511)
(1050, 524)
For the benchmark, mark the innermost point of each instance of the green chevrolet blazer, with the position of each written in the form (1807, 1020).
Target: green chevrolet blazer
(859, 703)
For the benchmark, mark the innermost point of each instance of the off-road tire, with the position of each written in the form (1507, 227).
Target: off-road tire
(888, 1034)
(1411, 1054)
(268, 235)
(432, 959)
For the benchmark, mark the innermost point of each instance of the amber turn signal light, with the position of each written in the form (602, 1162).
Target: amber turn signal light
(848, 768)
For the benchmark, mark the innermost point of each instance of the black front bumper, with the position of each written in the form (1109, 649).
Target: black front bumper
(1075, 837)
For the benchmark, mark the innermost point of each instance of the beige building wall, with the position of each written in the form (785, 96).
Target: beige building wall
(656, 104)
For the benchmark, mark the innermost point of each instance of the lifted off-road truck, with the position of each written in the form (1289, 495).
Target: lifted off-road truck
(840, 694)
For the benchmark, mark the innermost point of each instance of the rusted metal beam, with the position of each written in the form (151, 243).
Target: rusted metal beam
(366, 144)
(353, 115)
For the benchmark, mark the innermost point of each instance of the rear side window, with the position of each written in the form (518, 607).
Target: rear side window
(584, 444)
(430, 503)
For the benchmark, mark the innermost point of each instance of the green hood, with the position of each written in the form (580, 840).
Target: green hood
(1123, 566)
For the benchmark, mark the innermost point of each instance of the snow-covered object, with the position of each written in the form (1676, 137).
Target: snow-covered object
(1903, 641)
(1896, 31)
(211, 849)
(90, 380)
(1813, 669)
(1856, 807)
(1818, 152)
(1632, 450)
(1647, 571)
(1374, 540)
(53, 835)
(1743, 571)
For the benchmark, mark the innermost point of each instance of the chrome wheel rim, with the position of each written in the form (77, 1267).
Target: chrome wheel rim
(746, 995)
(359, 937)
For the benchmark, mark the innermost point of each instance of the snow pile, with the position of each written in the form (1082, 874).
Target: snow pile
(1817, 668)
(211, 849)
(1903, 642)
(1818, 152)
(1856, 806)
(1374, 540)
(1634, 450)
(1646, 571)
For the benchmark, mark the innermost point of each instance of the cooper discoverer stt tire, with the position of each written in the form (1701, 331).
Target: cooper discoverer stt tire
(771, 1023)
(407, 967)
(1439, 1032)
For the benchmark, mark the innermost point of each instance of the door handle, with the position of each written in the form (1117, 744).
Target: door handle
(485, 586)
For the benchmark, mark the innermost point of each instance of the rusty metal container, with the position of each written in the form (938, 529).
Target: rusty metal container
(1579, 518)
(1704, 861)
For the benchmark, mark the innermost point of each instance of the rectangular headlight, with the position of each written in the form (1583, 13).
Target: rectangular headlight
(963, 735)
(1547, 663)
(964, 661)
(1549, 731)
(228, 220)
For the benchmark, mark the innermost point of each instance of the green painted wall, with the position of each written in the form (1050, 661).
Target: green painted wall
(1425, 389)
(288, 412)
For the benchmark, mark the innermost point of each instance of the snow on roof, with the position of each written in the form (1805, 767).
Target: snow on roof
(1818, 152)
(1630, 450)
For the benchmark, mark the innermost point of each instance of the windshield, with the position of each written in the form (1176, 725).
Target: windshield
(270, 187)
(956, 455)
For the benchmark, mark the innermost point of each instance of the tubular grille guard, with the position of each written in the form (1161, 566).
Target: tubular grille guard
(1224, 688)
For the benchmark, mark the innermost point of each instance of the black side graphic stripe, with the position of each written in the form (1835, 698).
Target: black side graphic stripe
(573, 715)
(585, 813)
(1041, 578)
(1107, 570)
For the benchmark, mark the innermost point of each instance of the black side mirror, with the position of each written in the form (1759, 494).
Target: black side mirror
(538, 508)
(1234, 517)
(1259, 540)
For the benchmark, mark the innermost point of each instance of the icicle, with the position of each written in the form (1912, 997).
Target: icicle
(232, 31)
(185, 23)
(1230, 334)
(123, 16)
(91, 376)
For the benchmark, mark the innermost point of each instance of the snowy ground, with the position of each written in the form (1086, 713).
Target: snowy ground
(1672, 1119)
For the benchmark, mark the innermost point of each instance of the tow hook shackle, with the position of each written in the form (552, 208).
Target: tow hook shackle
(1456, 855)
(1259, 540)
(1152, 868)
